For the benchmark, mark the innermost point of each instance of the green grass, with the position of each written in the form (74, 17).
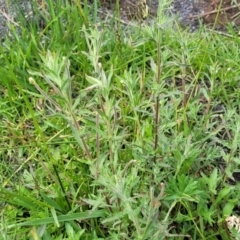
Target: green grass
(117, 134)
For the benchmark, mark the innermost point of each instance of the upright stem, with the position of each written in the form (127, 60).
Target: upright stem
(157, 97)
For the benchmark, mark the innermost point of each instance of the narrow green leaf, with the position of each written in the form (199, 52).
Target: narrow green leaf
(213, 181)
(55, 217)
(63, 218)
(51, 202)
(222, 194)
(228, 208)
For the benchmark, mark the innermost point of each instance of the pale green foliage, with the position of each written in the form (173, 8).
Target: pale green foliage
(118, 134)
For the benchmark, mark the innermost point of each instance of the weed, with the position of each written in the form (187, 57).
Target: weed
(127, 133)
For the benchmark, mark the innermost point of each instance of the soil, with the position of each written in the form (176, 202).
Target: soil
(214, 13)
(219, 13)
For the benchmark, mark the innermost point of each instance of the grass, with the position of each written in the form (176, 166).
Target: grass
(117, 134)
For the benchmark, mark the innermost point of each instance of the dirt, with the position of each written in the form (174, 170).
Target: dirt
(214, 13)
(217, 13)
(221, 13)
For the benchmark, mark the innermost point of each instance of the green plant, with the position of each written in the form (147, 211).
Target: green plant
(117, 133)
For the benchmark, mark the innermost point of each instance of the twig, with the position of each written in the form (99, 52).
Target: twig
(221, 33)
(214, 11)
(8, 18)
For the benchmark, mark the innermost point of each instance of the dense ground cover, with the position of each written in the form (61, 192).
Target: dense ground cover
(117, 133)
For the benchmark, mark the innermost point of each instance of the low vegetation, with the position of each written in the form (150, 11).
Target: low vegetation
(118, 132)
